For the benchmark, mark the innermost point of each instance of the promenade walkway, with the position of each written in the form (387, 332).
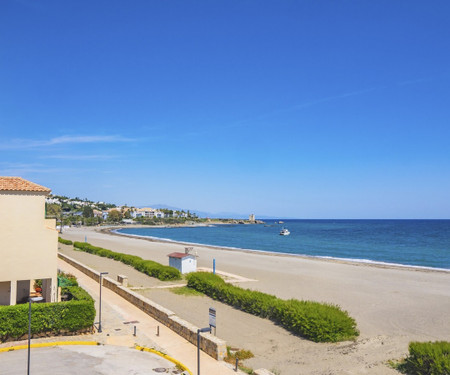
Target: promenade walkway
(117, 313)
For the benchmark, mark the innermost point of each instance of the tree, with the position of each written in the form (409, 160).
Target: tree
(114, 216)
(53, 209)
(88, 212)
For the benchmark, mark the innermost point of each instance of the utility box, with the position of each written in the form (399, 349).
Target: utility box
(183, 262)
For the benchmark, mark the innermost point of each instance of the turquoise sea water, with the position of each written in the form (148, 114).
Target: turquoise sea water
(423, 243)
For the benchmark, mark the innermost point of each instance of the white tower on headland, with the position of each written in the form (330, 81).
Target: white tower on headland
(251, 217)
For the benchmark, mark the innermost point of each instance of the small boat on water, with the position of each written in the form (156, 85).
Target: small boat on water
(284, 232)
(281, 222)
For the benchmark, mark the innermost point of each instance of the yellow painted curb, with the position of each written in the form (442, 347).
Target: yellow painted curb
(169, 358)
(48, 344)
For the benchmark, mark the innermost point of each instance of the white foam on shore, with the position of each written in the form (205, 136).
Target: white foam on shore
(350, 260)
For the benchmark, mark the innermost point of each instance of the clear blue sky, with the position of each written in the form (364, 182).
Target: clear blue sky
(305, 109)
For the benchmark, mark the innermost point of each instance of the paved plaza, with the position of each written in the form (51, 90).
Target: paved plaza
(81, 359)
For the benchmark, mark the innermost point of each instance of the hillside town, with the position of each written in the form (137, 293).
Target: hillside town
(83, 211)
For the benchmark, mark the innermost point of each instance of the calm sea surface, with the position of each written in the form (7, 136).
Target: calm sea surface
(408, 242)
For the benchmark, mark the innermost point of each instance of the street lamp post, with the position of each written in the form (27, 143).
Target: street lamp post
(200, 330)
(30, 299)
(100, 303)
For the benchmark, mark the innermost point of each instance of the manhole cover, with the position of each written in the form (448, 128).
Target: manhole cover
(160, 369)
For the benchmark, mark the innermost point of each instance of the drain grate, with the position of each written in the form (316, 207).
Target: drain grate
(160, 369)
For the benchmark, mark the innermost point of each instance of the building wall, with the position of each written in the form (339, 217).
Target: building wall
(29, 242)
(176, 263)
(189, 264)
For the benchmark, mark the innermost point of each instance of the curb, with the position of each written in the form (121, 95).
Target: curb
(165, 356)
(48, 344)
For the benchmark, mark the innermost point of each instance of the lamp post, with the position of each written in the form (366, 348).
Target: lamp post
(100, 303)
(200, 330)
(30, 299)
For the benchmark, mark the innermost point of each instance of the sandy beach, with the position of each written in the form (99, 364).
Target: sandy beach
(392, 305)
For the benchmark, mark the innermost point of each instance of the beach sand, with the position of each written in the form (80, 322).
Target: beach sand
(392, 305)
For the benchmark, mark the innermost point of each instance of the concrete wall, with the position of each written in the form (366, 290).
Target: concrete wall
(29, 242)
(210, 344)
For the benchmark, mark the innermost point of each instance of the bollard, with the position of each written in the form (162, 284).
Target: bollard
(237, 364)
(157, 331)
(214, 266)
(134, 334)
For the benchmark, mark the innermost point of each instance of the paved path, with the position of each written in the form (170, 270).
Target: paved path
(116, 311)
(93, 360)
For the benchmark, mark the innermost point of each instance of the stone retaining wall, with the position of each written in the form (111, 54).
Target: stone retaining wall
(210, 344)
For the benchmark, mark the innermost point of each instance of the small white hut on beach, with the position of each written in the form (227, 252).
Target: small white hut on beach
(183, 262)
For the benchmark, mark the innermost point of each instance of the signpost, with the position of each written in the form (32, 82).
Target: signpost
(212, 318)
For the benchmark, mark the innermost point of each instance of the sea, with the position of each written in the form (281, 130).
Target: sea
(417, 243)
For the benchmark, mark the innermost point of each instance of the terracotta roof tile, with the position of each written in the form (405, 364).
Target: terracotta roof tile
(178, 255)
(20, 184)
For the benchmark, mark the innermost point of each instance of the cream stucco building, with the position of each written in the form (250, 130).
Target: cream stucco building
(28, 242)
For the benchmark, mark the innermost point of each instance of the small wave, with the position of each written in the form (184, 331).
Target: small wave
(350, 260)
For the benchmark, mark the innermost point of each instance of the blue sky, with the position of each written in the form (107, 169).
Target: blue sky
(304, 109)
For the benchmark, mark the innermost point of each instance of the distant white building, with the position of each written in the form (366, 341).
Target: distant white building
(146, 212)
(52, 201)
(183, 262)
(251, 217)
(97, 213)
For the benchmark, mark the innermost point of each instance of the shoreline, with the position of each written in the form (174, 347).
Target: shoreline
(348, 261)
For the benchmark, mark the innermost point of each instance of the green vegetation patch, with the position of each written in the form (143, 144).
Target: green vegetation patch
(240, 354)
(426, 358)
(65, 242)
(74, 315)
(148, 267)
(185, 291)
(315, 321)
(66, 279)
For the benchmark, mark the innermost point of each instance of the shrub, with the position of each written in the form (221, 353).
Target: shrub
(148, 267)
(74, 315)
(76, 293)
(65, 242)
(312, 320)
(66, 279)
(427, 358)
